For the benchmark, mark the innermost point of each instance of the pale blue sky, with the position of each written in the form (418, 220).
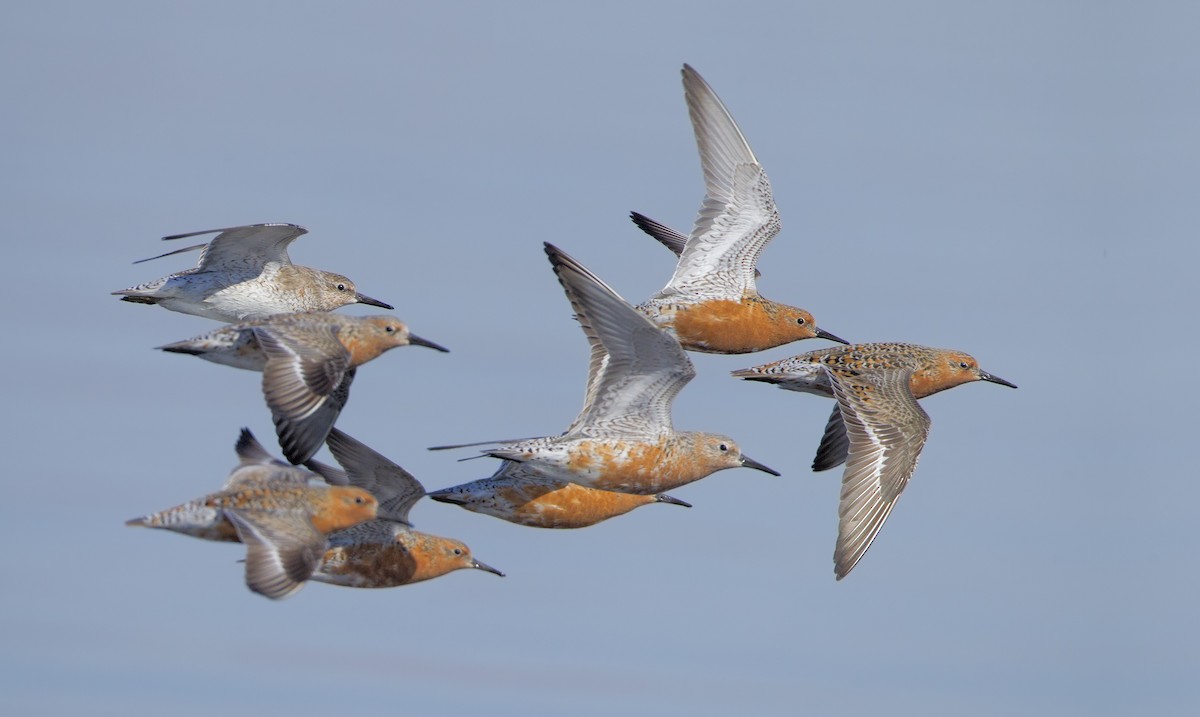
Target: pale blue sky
(1016, 180)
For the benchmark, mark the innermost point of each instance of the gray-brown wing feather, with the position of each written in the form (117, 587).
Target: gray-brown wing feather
(327, 473)
(306, 382)
(395, 488)
(245, 247)
(281, 551)
(250, 451)
(835, 444)
(665, 235)
(886, 429)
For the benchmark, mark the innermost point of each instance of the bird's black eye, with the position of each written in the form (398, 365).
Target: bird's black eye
(341, 287)
(359, 499)
(963, 364)
(800, 320)
(458, 551)
(389, 329)
(723, 447)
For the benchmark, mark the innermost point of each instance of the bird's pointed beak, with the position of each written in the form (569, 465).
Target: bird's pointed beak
(985, 376)
(444, 496)
(485, 567)
(823, 334)
(418, 341)
(364, 299)
(664, 498)
(749, 462)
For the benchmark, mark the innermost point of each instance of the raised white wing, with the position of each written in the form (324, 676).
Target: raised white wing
(670, 238)
(636, 369)
(738, 216)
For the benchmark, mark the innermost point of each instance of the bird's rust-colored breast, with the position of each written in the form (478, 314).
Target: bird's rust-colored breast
(574, 506)
(730, 327)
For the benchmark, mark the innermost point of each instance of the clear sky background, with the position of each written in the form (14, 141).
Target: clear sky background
(1015, 180)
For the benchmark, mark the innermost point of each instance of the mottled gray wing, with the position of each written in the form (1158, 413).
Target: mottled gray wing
(281, 550)
(395, 488)
(245, 247)
(738, 216)
(886, 429)
(835, 444)
(306, 382)
(636, 369)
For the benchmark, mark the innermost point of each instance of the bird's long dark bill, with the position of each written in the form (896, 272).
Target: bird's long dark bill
(364, 299)
(749, 462)
(484, 566)
(985, 376)
(445, 497)
(418, 341)
(664, 498)
(822, 333)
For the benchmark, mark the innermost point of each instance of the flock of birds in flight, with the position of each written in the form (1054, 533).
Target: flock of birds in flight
(304, 520)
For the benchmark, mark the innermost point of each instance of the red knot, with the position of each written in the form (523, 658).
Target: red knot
(245, 273)
(623, 439)
(271, 508)
(712, 301)
(385, 552)
(877, 428)
(520, 494)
